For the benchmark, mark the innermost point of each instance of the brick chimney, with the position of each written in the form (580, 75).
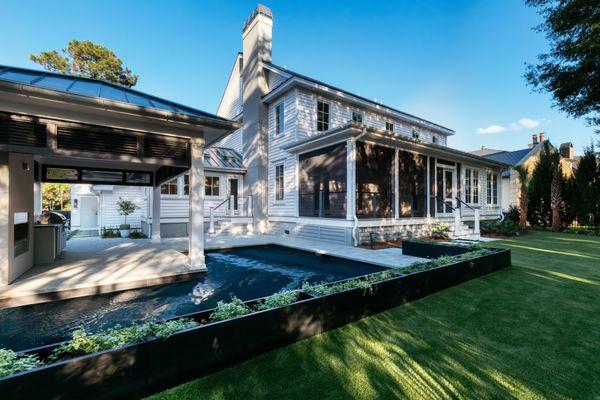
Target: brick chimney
(542, 136)
(257, 41)
(534, 139)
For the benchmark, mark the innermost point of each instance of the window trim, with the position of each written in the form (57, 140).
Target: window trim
(389, 124)
(206, 178)
(325, 124)
(280, 118)
(490, 195)
(362, 117)
(276, 191)
(473, 185)
(171, 182)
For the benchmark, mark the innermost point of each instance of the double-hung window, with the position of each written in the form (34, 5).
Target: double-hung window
(211, 186)
(389, 126)
(186, 185)
(279, 118)
(492, 188)
(322, 116)
(357, 117)
(279, 182)
(169, 187)
(471, 186)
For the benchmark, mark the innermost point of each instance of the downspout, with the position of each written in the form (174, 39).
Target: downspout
(355, 228)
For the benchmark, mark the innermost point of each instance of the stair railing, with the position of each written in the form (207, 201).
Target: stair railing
(476, 227)
(211, 214)
(455, 212)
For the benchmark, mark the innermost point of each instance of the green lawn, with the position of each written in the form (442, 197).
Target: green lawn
(530, 331)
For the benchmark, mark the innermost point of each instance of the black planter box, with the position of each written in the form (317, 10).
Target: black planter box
(141, 369)
(432, 250)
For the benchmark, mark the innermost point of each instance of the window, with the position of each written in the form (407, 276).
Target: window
(492, 188)
(434, 139)
(169, 187)
(357, 117)
(211, 186)
(279, 119)
(415, 134)
(322, 116)
(389, 126)
(186, 185)
(471, 186)
(279, 184)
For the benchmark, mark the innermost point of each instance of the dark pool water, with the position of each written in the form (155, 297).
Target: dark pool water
(247, 273)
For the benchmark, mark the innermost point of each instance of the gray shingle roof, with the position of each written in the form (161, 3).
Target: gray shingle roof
(95, 88)
(222, 158)
(511, 158)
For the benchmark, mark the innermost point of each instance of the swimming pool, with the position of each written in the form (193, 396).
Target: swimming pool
(247, 273)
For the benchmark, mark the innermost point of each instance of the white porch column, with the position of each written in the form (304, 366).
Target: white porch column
(395, 184)
(156, 214)
(350, 179)
(196, 199)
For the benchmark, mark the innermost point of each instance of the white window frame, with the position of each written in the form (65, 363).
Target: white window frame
(472, 195)
(359, 114)
(280, 118)
(328, 122)
(389, 124)
(171, 182)
(492, 194)
(279, 190)
(206, 178)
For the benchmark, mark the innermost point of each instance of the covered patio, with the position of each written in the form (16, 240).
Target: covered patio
(59, 128)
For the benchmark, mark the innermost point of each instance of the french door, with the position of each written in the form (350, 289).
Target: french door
(445, 190)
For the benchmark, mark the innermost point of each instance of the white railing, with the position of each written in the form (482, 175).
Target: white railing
(229, 208)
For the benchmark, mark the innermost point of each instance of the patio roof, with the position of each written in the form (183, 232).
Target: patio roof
(384, 137)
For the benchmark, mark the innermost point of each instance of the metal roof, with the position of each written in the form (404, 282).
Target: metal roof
(315, 81)
(222, 158)
(511, 158)
(95, 88)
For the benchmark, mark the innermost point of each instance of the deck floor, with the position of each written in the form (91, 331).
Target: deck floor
(93, 265)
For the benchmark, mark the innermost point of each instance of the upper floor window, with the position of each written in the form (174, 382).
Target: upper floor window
(279, 118)
(415, 134)
(211, 186)
(322, 116)
(169, 187)
(357, 117)
(389, 126)
(471, 186)
(279, 182)
(434, 139)
(492, 188)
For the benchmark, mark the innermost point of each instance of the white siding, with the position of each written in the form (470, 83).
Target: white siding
(231, 102)
(233, 141)
(340, 113)
(108, 214)
(275, 79)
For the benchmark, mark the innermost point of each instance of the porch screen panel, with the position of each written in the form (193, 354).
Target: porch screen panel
(374, 166)
(322, 182)
(412, 181)
(432, 184)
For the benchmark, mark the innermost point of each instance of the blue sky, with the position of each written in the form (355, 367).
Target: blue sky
(457, 63)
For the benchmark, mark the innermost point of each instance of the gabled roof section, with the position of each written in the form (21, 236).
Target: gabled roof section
(221, 158)
(230, 105)
(299, 78)
(512, 158)
(94, 88)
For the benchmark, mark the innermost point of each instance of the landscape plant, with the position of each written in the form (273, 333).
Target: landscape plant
(280, 299)
(126, 207)
(12, 363)
(229, 309)
(440, 231)
(523, 194)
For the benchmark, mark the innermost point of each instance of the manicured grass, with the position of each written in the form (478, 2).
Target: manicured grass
(530, 331)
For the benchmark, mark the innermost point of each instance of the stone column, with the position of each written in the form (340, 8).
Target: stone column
(350, 179)
(196, 206)
(156, 214)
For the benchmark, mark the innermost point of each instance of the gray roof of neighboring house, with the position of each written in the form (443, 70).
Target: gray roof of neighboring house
(483, 152)
(95, 88)
(315, 81)
(511, 158)
(222, 158)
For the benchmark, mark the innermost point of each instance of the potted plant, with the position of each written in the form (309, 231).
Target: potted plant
(125, 208)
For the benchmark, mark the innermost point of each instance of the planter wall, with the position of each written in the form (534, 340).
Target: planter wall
(144, 368)
(431, 250)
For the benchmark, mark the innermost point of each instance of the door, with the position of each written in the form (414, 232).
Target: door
(233, 190)
(445, 183)
(88, 212)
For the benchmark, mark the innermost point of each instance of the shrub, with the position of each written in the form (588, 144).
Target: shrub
(440, 231)
(504, 228)
(124, 227)
(126, 207)
(513, 213)
(12, 363)
(84, 343)
(231, 309)
(136, 234)
(283, 298)
(108, 232)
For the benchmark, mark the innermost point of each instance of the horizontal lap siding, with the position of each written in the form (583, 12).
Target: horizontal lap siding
(231, 103)
(332, 235)
(286, 207)
(233, 141)
(110, 215)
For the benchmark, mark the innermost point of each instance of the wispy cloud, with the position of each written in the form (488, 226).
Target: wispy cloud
(491, 129)
(519, 125)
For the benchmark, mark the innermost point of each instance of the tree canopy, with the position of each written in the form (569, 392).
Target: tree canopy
(87, 59)
(56, 196)
(570, 70)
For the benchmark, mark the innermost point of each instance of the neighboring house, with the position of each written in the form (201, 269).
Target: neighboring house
(307, 144)
(526, 157)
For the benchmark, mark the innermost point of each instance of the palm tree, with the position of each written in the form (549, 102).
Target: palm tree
(523, 200)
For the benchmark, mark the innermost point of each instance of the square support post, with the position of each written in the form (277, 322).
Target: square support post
(396, 177)
(156, 214)
(196, 206)
(350, 179)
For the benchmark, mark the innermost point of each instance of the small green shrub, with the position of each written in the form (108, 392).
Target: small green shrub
(513, 214)
(440, 231)
(504, 228)
(124, 227)
(137, 234)
(583, 230)
(12, 363)
(108, 232)
(283, 298)
(165, 329)
(231, 309)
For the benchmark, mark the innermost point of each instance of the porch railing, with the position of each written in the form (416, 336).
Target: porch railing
(476, 227)
(232, 206)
